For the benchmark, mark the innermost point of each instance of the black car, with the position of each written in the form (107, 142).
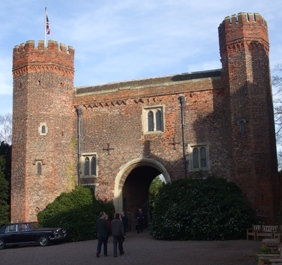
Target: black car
(29, 233)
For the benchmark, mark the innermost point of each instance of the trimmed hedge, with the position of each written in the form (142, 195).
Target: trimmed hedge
(76, 211)
(201, 209)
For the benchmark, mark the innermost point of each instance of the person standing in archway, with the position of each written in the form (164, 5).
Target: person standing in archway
(140, 221)
(124, 219)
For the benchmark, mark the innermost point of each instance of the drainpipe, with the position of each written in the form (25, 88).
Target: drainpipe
(79, 113)
(182, 103)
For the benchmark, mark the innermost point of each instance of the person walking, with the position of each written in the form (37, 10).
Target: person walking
(118, 234)
(109, 224)
(102, 233)
(140, 220)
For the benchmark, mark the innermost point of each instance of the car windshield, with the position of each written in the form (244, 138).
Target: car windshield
(34, 226)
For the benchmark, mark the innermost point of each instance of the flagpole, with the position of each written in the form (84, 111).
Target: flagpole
(45, 27)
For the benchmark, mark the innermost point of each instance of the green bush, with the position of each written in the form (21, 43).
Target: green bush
(4, 194)
(201, 209)
(76, 211)
(266, 250)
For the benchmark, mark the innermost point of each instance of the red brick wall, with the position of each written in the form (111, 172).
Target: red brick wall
(116, 118)
(43, 93)
(245, 55)
(112, 114)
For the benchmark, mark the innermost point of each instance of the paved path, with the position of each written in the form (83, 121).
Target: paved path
(139, 249)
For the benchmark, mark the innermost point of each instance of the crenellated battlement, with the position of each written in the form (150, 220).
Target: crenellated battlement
(29, 54)
(52, 45)
(241, 30)
(244, 18)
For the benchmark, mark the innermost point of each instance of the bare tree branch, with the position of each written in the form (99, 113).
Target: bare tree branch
(6, 128)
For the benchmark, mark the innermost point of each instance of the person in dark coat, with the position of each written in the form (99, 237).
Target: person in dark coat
(124, 219)
(118, 234)
(102, 233)
(140, 221)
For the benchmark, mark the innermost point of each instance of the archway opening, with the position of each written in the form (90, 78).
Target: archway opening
(136, 193)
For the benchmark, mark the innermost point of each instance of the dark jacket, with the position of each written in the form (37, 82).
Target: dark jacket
(102, 227)
(117, 227)
(125, 221)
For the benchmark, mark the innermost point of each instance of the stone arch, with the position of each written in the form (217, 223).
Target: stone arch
(125, 171)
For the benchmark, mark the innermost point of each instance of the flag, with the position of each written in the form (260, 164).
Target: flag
(48, 31)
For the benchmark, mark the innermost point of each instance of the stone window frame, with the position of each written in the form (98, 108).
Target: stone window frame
(38, 163)
(43, 128)
(199, 147)
(145, 119)
(82, 159)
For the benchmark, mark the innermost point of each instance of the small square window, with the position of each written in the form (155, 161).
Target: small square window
(88, 165)
(153, 119)
(198, 157)
(43, 129)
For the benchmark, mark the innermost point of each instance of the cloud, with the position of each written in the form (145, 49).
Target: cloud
(120, 40)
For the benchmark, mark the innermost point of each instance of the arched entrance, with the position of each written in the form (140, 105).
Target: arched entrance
(132, 184)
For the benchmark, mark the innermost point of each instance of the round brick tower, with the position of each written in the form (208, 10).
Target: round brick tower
(244, 51)
(43, 127)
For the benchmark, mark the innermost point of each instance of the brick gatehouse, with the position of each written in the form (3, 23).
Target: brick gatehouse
(118, 137)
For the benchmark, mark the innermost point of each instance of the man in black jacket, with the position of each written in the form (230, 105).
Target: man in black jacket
(140, 220)
(118, 234)
(102, 233)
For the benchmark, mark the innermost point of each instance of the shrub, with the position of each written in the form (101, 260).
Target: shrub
(267, 250)
(201, 209)
(76, 211)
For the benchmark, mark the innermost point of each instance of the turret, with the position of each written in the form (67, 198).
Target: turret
(43, 163)
(244, 51)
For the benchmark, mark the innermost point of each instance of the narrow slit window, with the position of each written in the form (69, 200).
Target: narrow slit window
(203, 157)
(93, 165)
(39, 168)
(150, 121)
(43, 128)
(159, 120)
(195, 158)
(86, 166)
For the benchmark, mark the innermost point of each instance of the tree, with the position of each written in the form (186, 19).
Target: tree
(277, 101)
(5, 181)
(6, 152)
(4, 194)
(153, 191)
(6, 128)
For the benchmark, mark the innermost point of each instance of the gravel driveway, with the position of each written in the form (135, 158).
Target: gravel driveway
(139, 249)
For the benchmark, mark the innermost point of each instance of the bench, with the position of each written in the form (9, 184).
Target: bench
(270, 259)
(269, 231)
(265, 259)
(259, 232)
(277, 261)
(272, 243)
(252, 232)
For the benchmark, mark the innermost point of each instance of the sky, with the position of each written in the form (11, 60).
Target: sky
(119, 40)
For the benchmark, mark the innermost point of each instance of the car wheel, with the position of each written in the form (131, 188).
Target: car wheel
(43, 241)
(2, 244)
